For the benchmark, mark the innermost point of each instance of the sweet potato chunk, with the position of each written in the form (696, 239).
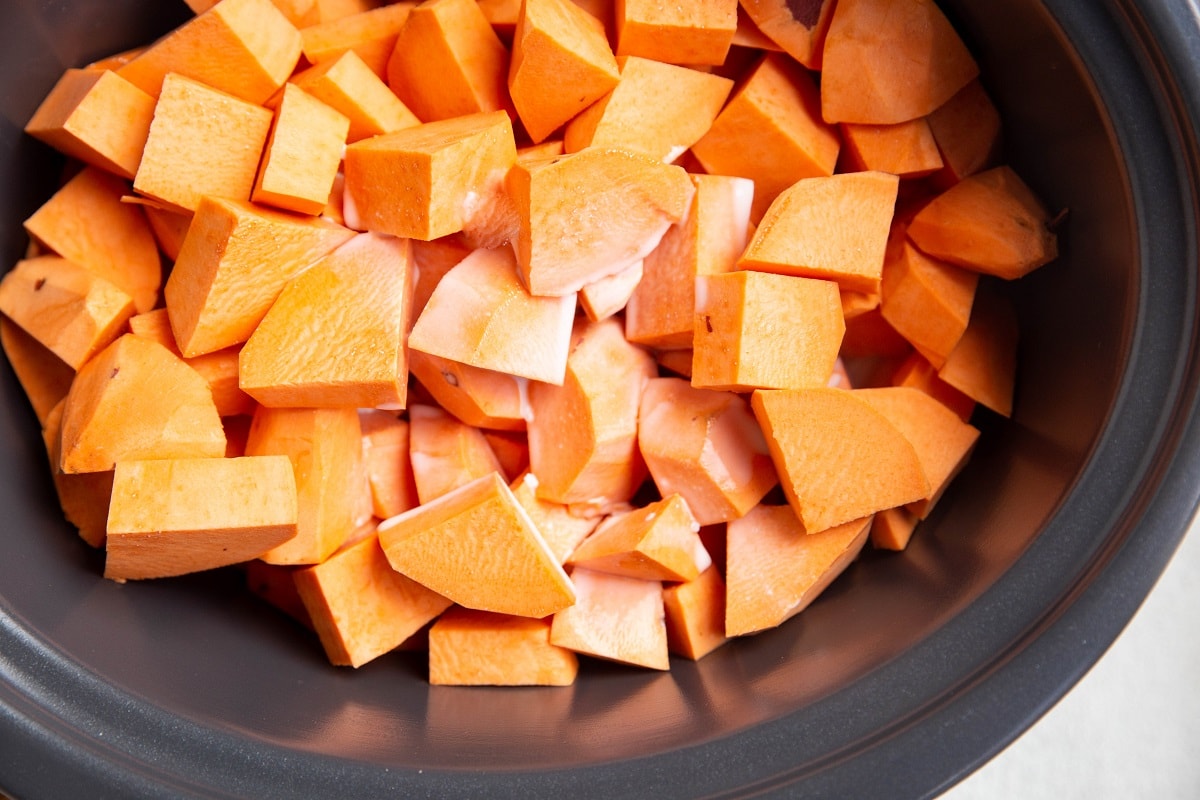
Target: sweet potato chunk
(479, 648)
(658, 542)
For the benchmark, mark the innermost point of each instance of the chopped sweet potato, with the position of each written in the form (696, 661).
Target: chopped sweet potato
(83, 496)
(44, 377)
(445, 453)
(303, 154)
(480, 648)
(385, 448)
(658, 542)
(562, 530)
(926, 301)
(615, 618)
(699, 32)
(695, 615)
(478, 397)
(797, 27)
(348, 85)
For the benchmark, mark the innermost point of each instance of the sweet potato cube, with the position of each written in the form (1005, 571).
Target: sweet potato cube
(335, 335)
(906, 149)
(434, 259)
(561, 64)
(169, 228)
(258, 49)
(303, 154)
(657, 109)
(512, 451)
(614, 618)
(695, 615)
(137, 400)
(83, 496)
(759, 330)
(708, 241)
(162, 520)
(838, 458)
(968, 133)
(990, 222)
(916, 371)
(594, 459)
(477, 546)
(705, 446)
(360, 607)
(983, 365)
(43, 376)
(889, 61)
(435, 179)
(370, 33)
(942, 441)
(385, 446)
(798, 28)
(774, 569)
(480, 314)
(202, 142)
(97, 117)
(607, 296)
(445, 453)
(348, 85)
(699, 32)
(771, 132)
(658, 542)
(561, 530)
(480, 648)
(223, 282)
(478, 397)
(892, 528)
(926, 301)
(86, 223)
(834, 228)
(592, 214)
(70, 310)
(448, 62)
(324, 446)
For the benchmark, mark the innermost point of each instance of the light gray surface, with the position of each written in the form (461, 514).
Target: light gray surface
(1131, 728)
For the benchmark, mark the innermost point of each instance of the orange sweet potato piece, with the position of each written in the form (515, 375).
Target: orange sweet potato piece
(968, 133)
(990, 222)
(797, 27)
(70, 310)
(370, 33)
(83, 496)
(926, 301)
(480, 314)
(219, 369)
(615, 618)
(699, 32)
(235, 261)
(593, 459)
(445, 453)
(657, 109)
(561, 64)
(44, 377)
(137, 400)
(477, 546)
(774, 569)
(892, 528)
(448, 62)
(943, 442)
(838, 458)
(97, 117)
(479, 397)
(658, 542)
(695, 615)
(771, 132)
(983, 365)
(258, 49)
(868, 334)
(324, 446)
(347, 84)
(434, 259)
(385, 446)
(86, 223)
(169, 228)
(480, 648)
(360, 607)
(760, 330)
(303, 154)
(202, 143)
(562, 530)
(435, 179)
(708, 241)
(705, 446)
(512, 451)
(906, 149)
(162, 521)
(916, 371)
(834, 228)
(591, 214)
(607, 296)
(889, 61)
(354, 301)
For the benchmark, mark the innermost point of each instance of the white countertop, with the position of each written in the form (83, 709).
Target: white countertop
(1131, 728)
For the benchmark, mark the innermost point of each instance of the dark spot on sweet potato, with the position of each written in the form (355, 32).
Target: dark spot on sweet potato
(806, 12)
